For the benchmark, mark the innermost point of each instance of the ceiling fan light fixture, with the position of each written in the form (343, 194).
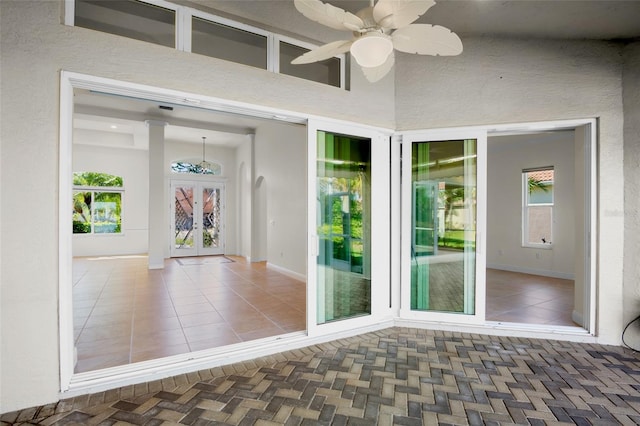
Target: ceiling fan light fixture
(372, 49)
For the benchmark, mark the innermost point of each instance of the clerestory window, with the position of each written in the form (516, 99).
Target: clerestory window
(191, 30)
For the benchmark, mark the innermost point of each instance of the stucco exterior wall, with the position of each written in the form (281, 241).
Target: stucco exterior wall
(35, 47)
(492, 82)
(501, 81)
(631, 100)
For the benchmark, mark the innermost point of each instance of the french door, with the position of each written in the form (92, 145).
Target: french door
(197, 218)
(443, 221)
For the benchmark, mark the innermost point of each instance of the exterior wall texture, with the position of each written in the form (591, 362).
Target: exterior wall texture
(631, 99)
(502, 81)
(35, 47)
(492, 82)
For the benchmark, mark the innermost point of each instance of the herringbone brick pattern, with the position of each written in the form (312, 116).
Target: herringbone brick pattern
(391, 377)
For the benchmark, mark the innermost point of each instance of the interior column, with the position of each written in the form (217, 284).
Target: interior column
(157, 228)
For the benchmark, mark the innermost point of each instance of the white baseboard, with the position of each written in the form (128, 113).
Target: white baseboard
(541, 272)
(156, 265)
(287, 272)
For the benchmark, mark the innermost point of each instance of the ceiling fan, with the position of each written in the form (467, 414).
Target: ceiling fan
(377, 30)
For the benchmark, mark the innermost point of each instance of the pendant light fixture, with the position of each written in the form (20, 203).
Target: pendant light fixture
(204, 165)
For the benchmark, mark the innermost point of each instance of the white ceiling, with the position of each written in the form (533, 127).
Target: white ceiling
(557, 19)
(111, 120)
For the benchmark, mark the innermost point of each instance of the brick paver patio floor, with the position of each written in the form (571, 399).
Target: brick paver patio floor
(395, 376)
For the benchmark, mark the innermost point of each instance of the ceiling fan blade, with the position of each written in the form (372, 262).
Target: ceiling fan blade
(425, 39)
(324, 52)
(399, 13)
(376, 73)
(328, 15)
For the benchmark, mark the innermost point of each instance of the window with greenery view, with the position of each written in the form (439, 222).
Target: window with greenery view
(537, 214)
(97, 203)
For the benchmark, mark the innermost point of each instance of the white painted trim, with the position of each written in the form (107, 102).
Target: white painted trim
(396, 230)
(287, 272)
(229, 23)
(532, 271)
(69, 12)
(101, 380)
(380, 222)
(408, 138)
(591, 171)
(535, 331)
(65, 234)
(183, 28)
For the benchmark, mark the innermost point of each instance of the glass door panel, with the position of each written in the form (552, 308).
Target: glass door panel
(197, 221)
(440, 257)
(183, 220)
(212, 229)
(343, 226)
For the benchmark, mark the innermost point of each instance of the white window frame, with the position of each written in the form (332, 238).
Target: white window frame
(93, 190)
(70, 13)
(191, 13)
(526, 205)
(275, 56)
(183, 36)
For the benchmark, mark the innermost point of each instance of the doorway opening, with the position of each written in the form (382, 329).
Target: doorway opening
(212, 289)
(538, 227)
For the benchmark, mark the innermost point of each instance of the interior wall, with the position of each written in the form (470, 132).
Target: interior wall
(507, 157)
(510, 81)
(133, 166)
(244, 197)
(281, 159)
(33, 38)
(631, 99)
(226, 157)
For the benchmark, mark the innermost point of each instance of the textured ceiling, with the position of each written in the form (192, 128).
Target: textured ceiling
(573, 19)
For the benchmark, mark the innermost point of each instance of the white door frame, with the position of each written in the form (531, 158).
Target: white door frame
(590, 230)
(380, 229)
(198, 186)
(72, 384)
(382, 314)
(408, 138)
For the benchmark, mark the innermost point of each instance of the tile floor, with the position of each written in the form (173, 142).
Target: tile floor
(396, 376)
(531, 299)
(124, 312)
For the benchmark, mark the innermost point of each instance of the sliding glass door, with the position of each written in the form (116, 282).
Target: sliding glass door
(442, 225)
(349, 257)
